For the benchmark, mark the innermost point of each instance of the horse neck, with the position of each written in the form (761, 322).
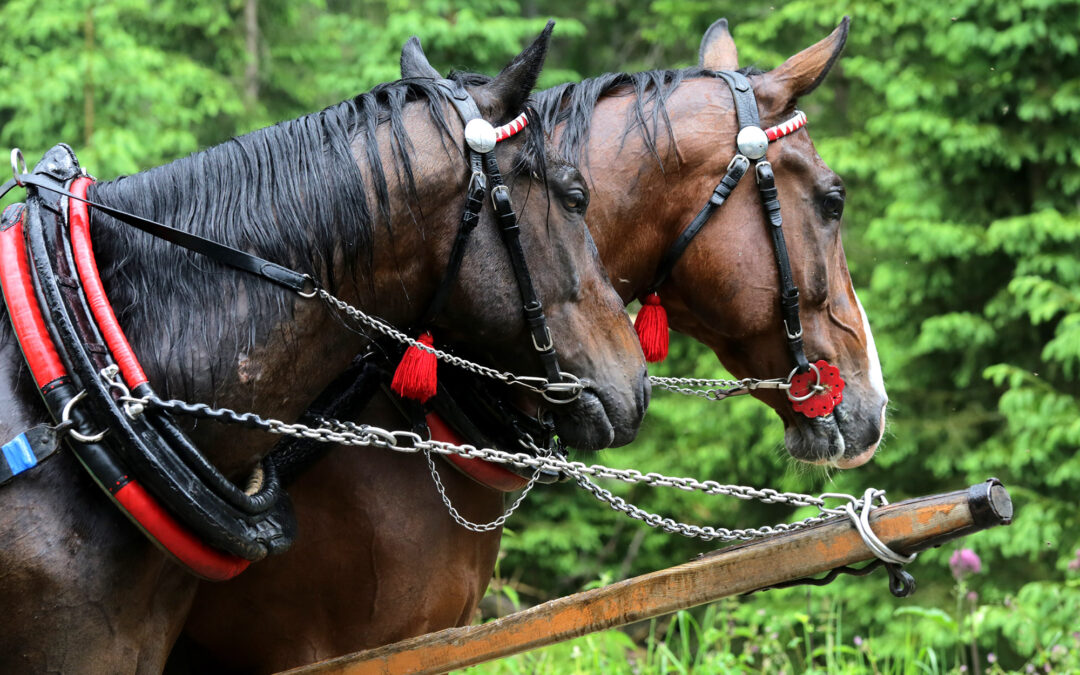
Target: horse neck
(205, 332)
(642, 197)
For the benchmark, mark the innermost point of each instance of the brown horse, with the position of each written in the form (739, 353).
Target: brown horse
(381, 559)
(81, 589)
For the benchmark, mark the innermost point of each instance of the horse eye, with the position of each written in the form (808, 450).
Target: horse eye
(833, 205)
(576, 200)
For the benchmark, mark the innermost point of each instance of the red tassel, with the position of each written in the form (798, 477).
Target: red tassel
(652, 329)
(415, 376)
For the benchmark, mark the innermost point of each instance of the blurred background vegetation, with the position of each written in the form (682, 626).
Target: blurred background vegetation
(956, 126)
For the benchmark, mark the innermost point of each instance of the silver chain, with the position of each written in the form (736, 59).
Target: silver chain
(462, 520)
(349, 433)
(716, 390)
(567, 390)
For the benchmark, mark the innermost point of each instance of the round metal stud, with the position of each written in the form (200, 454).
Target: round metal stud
(752, 142)
(480, 135)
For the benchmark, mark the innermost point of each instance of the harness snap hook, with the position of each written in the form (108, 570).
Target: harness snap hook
(67, 423)
(18, 165)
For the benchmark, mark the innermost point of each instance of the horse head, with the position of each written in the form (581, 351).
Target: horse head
(588, 325)
(733, 257)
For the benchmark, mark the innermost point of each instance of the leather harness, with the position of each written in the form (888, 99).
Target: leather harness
(83, 365)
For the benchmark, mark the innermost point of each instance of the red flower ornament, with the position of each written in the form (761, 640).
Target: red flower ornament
(822, 403)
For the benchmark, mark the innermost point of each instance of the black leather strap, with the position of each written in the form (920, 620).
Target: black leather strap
(226, 255)
(789, 292)
(466, 107)
(470, 218)
(531, 305)
(743, 94)
(736, 170)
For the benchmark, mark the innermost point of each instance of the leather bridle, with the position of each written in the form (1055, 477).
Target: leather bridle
(480, 138)
(752, 143)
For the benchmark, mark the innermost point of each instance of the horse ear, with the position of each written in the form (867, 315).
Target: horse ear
(802, 73)
(414, 62)
(717, 50)
(504, 96)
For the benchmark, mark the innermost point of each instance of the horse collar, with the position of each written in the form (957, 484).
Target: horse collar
(83, 367)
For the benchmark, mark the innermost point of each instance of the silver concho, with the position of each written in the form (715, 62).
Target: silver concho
(480, 135)
(752, 142)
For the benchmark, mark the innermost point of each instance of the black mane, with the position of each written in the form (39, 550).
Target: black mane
(292, 193)
(573, 103)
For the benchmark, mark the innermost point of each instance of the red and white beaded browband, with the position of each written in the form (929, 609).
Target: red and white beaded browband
(784, 128)
(798, 121)
(517, 124)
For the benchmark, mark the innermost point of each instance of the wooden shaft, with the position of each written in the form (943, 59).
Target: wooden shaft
(905, 527)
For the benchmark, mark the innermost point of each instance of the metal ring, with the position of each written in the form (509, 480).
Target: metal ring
(310, 284)
(574, 387)
(65, 418)
(862, 526)
(18, 160)
(813, 389)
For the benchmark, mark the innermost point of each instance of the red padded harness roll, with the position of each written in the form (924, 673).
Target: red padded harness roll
(79, 219)
(24, 311)
(47, 368)
(485, 473)
(201, 559)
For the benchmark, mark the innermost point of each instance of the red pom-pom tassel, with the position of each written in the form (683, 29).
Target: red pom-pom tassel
(652, 329)
(415, 376)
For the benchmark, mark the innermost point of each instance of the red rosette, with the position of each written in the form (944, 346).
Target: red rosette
(824, 402)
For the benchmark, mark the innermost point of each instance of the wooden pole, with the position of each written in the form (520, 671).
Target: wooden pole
(905, 527)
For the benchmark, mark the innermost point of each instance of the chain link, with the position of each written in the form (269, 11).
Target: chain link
(538, 459)
(571, 386)
(716, 390)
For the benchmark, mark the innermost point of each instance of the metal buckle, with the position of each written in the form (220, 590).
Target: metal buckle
(478, 178)
(547, 335)
(499, 189)
(787, 331)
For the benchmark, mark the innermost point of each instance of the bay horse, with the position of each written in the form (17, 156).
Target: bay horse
(381, 559)
(366, 197)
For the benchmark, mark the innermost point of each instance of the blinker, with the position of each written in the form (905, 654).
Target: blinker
(752, 142)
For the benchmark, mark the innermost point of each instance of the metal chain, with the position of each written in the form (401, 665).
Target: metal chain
(465, 522)
(349, 433)
(571, 386)
(716, 390)
(705, 533)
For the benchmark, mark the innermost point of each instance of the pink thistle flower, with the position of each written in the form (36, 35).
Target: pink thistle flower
(964, 562)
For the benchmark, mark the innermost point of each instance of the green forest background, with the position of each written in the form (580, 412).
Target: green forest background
(955, 126)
